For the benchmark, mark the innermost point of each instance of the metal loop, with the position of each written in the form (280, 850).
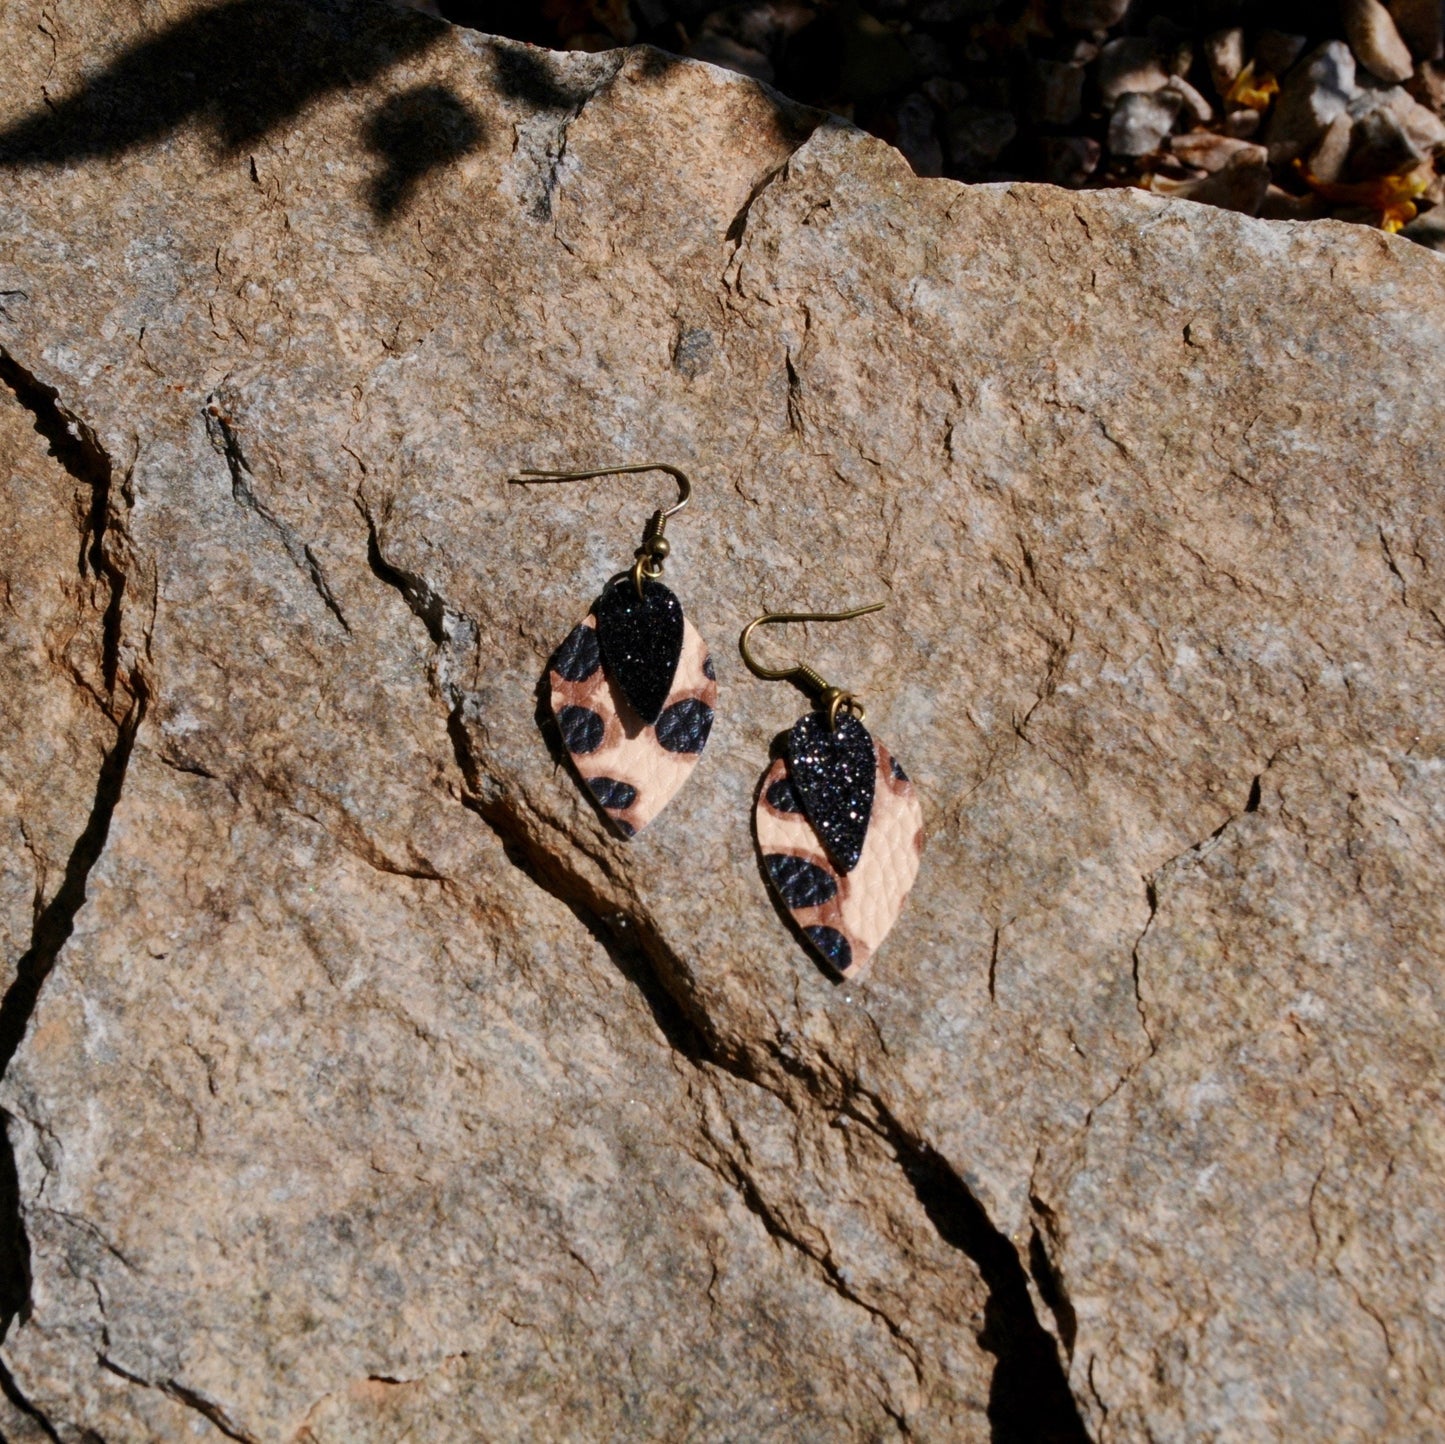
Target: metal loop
(832, 699)
(643, 567)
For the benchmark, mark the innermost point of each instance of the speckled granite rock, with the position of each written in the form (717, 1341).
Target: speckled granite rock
(52, 625)
(364, 1083)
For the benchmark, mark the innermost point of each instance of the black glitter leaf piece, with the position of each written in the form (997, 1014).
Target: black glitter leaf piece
(641, 641)
(834, 773)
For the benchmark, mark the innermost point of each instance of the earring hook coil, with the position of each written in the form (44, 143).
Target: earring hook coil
(655, 547)
(830, 698)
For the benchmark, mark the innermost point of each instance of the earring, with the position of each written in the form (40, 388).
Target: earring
(839, 827)
(632, 687)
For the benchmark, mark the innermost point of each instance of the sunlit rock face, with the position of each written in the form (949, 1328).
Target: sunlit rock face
(363, 1082)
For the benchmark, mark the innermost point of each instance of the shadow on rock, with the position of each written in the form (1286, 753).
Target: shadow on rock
(414, 133)
(239, 69)
(535, 80)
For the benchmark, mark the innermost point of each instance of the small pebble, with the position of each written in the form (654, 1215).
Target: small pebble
(928, 53)
(1241, 124)
(1427, 85)
(1428, 230)
(1375, 40)
(1379, 146)
(1275, 52)
(1209, 152)
(1282, 205)
(975, 138)
(1140, 122)
(918, 135)
(723, 50)
(1224, 54)
(1318, 89)
(945, 94)
(1093, 14)
(1327, 160)
(1421, 24)
(1421, 126)
(1196, 108)
(1240, 185)
(1129, 65)
(1173, 44)
(1056, 95)
(1069, 160)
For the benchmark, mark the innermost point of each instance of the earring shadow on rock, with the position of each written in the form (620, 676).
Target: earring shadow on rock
(838, 824)
(632, 689)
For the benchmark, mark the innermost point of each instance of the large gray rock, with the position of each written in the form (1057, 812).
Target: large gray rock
(366, 1086)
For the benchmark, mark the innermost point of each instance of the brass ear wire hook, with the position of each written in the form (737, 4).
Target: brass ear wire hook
(684, 486)
(832, 699)
(655, 547)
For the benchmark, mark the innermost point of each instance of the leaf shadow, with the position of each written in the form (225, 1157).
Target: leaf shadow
(241, 69)
(414, 133)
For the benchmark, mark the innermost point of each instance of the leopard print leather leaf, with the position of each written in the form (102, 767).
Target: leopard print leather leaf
(843, 916)
(631, 768)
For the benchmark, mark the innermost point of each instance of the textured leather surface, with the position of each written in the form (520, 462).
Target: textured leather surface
(845, 927)
(632, 769)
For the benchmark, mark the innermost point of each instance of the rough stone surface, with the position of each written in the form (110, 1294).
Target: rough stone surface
(51, 625)
(363, 1086)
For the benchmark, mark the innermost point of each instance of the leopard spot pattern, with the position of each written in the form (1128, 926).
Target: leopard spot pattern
(843, 916)
(632, 770)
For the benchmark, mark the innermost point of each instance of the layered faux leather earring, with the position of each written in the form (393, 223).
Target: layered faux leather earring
(632, 687)
(838, 825)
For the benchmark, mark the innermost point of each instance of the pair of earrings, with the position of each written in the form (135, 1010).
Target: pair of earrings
(838, 825)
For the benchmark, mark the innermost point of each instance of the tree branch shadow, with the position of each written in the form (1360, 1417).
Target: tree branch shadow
(243, 68)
